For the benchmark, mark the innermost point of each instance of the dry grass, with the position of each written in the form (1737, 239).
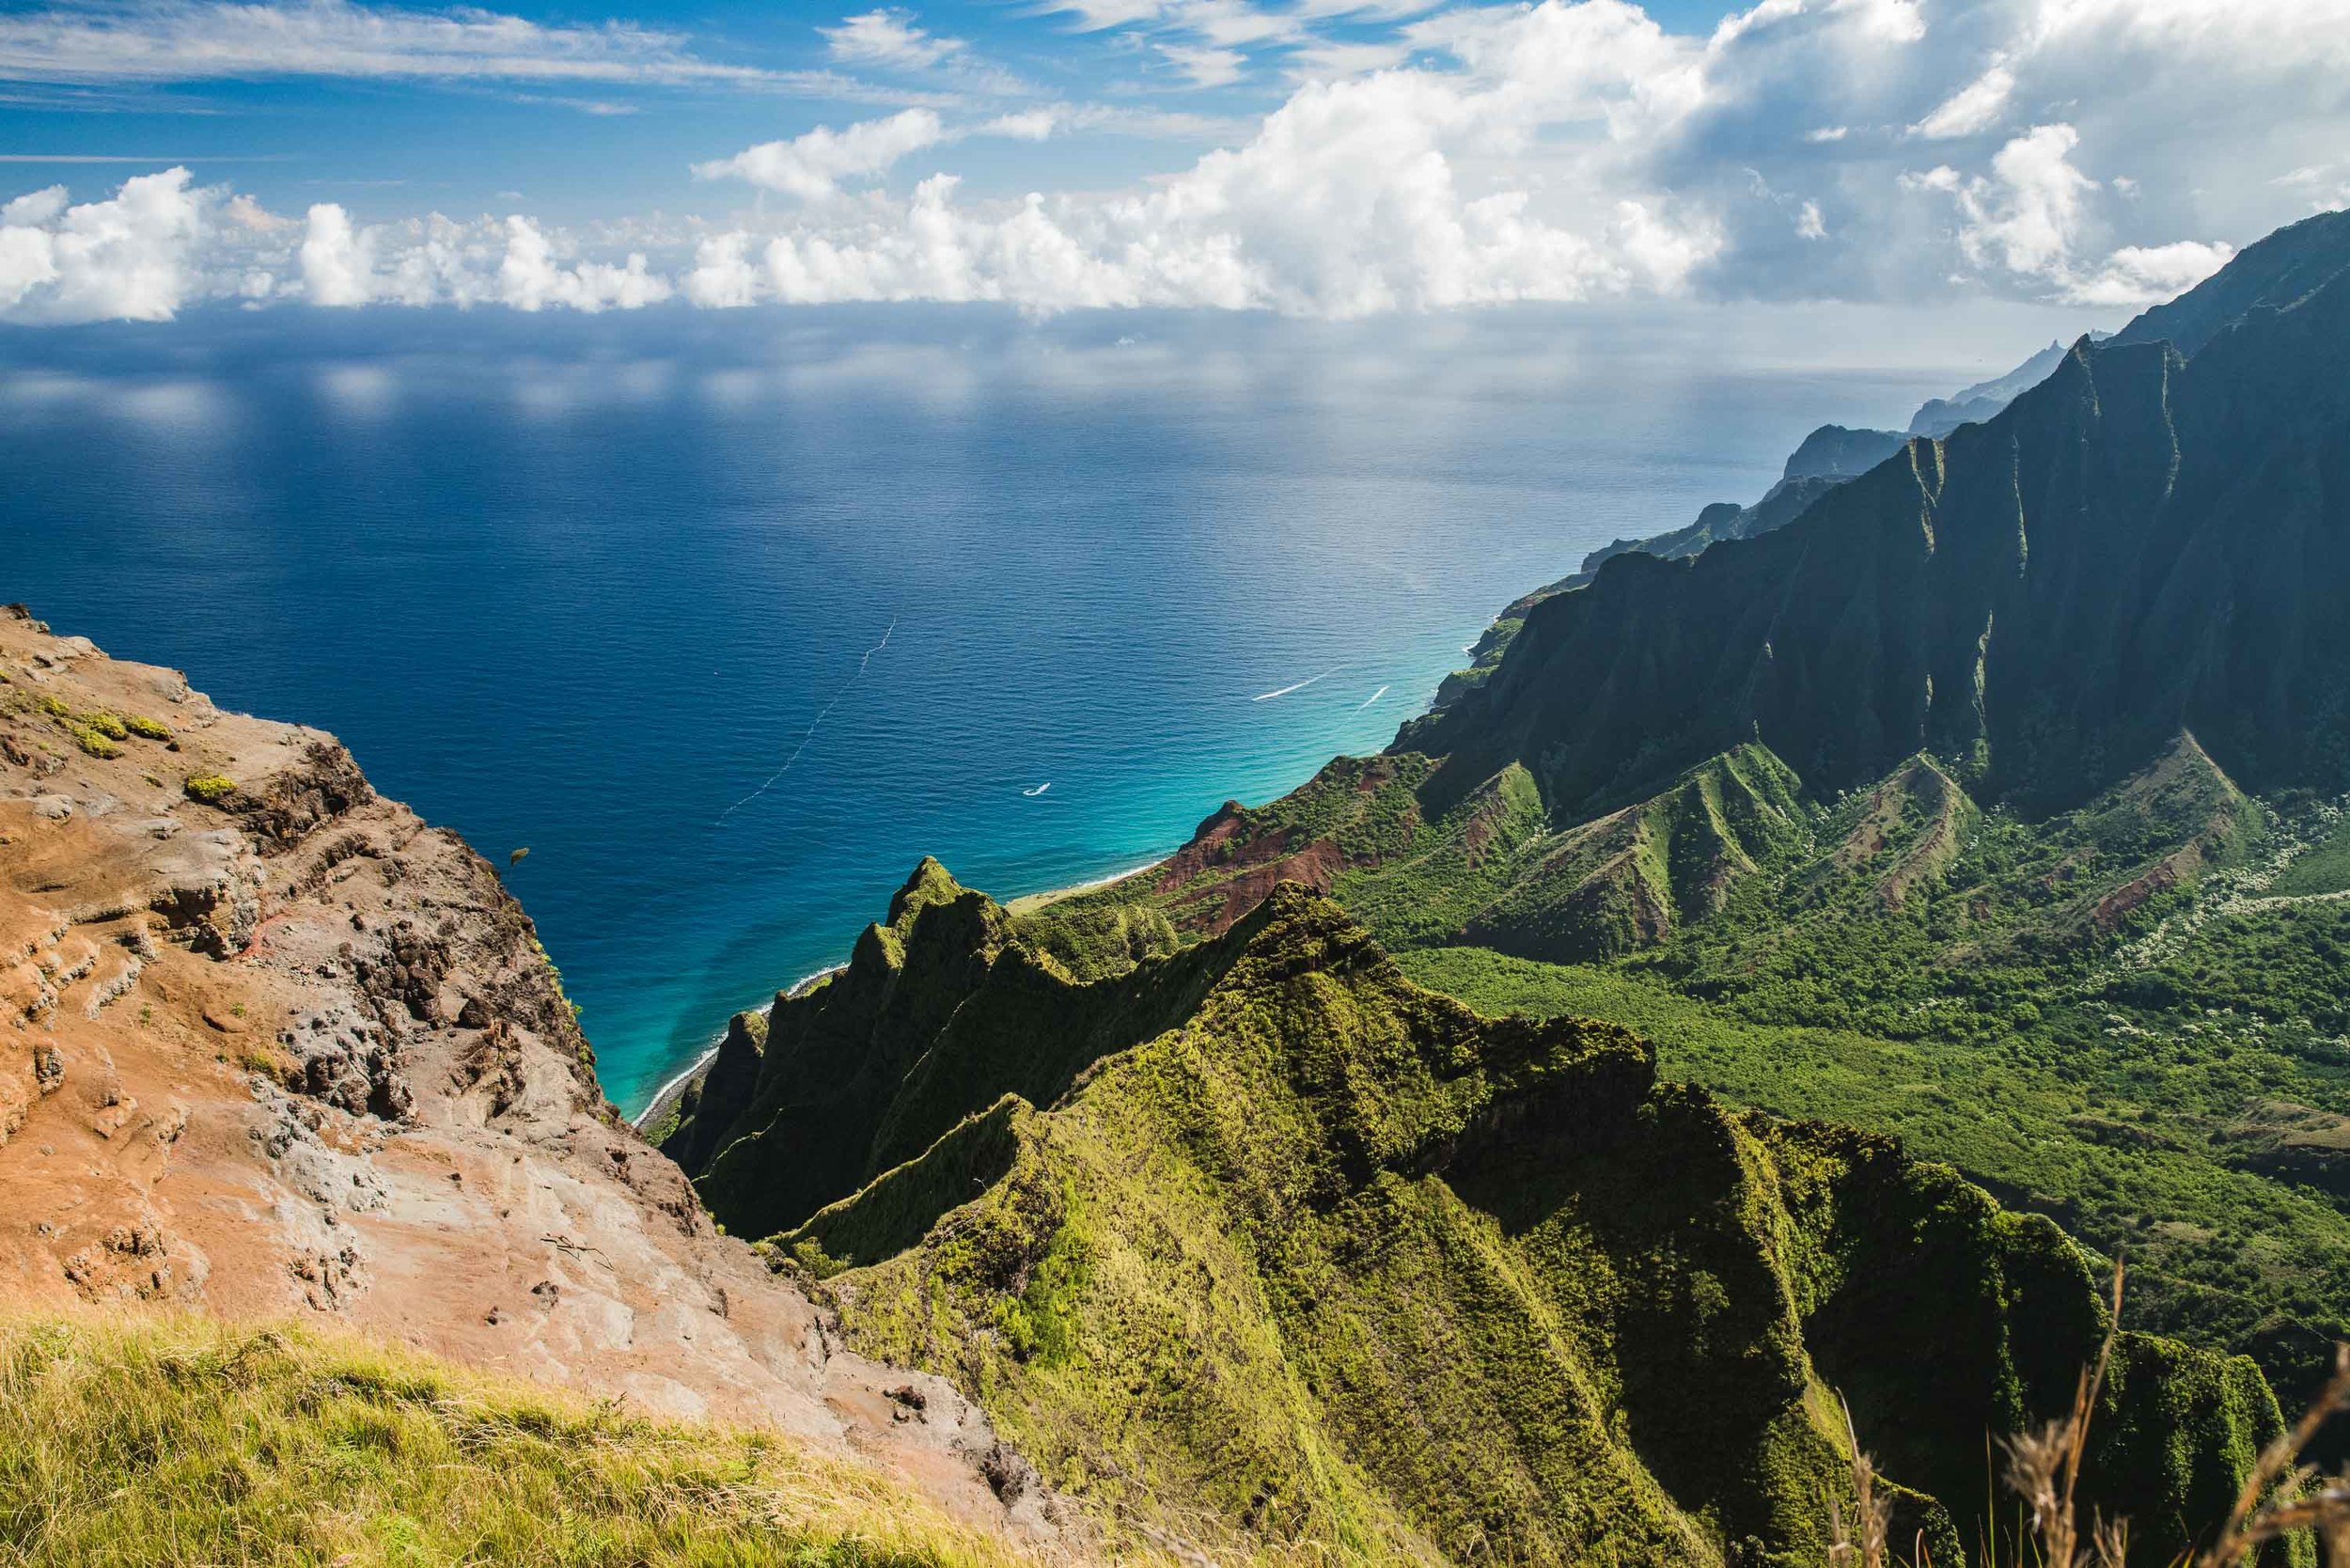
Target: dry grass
(2045, 1468)
(2280, 1498)
(191, 1443)
(2298, 1499)
(1870, 1513)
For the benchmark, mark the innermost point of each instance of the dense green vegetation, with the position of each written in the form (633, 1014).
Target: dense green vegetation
(1334, 1261)
(2141, 544)
(2110, 1016)
(2133, 1142)
(195, 1443)
(2042, 1004)
(1898, 816)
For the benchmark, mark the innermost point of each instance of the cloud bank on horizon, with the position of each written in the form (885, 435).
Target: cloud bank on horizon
(1415, 157)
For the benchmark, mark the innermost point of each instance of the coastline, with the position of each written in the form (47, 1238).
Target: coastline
(1027, 901)
(669, 1092)
(674, 1089)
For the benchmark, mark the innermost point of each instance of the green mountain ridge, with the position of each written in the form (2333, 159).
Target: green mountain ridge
(1825, 458)
(1993, 807)
(2050, 877)
(1332, 1259)
(2046, 598)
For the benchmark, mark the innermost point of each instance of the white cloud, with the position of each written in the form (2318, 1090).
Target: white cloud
(2304, 38)
(129, 258)
(1560, 149)
(1209, 43)
(2029, 219)
(33, 208)
(439, 259)
(1029, 125)
(28, 261)
(1227, 23)
(2320, 186)
(183, 41)
(246, 212)
(1323, 60)
(723, 277)
(531, 278)
(1886, 21)
(811, 166)
(1346, 201)
(1204, 66)
(337, 261)
(887, 38)
(1974, 108)
(1095, 15)
(2139, 275)
(2027, 215)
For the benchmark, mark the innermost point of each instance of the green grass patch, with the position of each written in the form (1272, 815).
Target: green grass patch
(2322, 869)
(2130, 1135)
(195, 1443)
(94, 742)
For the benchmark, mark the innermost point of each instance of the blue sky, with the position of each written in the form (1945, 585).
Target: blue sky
(576, 150)
(1314, 157)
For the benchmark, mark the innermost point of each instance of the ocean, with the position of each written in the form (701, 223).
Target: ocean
(730, 618)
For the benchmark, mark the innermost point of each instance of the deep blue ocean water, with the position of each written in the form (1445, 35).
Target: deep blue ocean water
(731, 618)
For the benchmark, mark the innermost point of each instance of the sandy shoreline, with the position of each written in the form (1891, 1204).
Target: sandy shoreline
(667, 1094)
(1038, 900)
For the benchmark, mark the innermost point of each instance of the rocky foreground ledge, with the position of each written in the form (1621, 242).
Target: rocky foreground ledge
(272, 1046)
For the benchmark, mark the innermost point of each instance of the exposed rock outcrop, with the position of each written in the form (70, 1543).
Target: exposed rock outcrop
(270, 1045)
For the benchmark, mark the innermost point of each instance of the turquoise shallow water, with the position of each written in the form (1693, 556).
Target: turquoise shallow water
(730, 618)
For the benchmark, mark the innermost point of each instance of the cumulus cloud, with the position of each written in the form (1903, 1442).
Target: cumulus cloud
(2093, 152)
(1028, 125)
(33, 208)
(2029, 219)
(723, 277)
(887, 38)
(2027, 213)
(337, 261)
(1973, 108)
(811, 166)
(2142, 275)
(532, 278)
(1347, 200)
(129, 258)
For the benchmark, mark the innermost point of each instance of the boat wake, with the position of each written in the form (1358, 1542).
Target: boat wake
(1039, 790)
(1371, 698)
(814, 725)
(1267, 697)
